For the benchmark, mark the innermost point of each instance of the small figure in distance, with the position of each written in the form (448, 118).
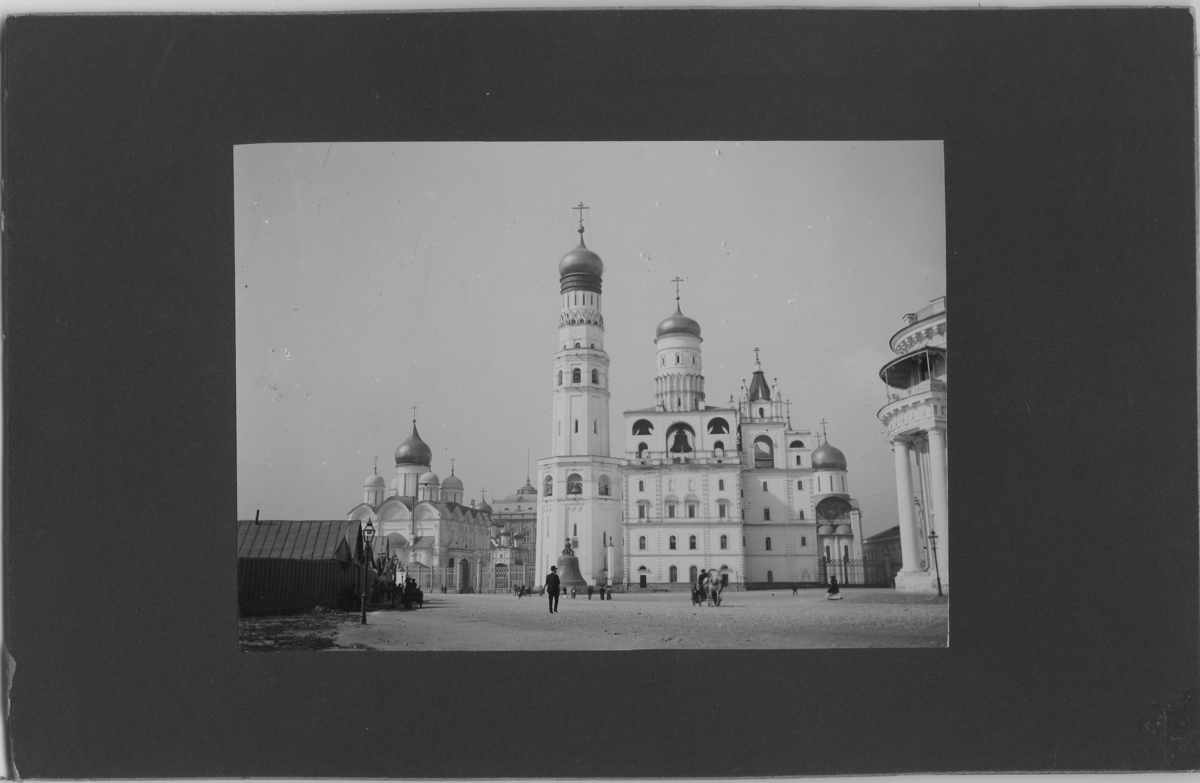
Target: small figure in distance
(572, 592)
(833, 593)
(590, 590)
(552, 585)
(795, 589)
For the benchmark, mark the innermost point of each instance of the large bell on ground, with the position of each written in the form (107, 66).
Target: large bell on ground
(568, 569)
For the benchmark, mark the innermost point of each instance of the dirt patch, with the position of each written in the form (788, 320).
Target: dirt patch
(310, 631)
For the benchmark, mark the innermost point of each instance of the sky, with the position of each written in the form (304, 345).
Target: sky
(373, 277)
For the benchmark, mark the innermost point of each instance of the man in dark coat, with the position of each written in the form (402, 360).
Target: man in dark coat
(552, 584)
(591, 589)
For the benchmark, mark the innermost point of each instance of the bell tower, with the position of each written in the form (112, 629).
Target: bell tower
(579, 485)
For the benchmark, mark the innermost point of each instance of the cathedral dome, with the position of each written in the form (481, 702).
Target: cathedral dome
(825, 530)
(844, 530)
(677, 324)
(484, 507)
(413, 451)
(374, 480)
(580, 261)
(827, 457)
(428, 478)
(452, 482)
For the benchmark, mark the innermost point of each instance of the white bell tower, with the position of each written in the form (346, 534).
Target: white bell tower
(579, 486)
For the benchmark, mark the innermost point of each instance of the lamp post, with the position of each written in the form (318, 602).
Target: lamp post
(368, 536)
(933, 537)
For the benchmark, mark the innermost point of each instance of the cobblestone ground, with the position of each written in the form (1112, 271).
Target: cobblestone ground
(640, 621)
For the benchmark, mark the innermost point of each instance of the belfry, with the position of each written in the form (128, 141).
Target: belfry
(578, 485)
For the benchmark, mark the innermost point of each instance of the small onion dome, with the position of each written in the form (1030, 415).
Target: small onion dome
(374, 480)
(414, 451)
(677, 324)
(827, 457)
(484, 507)
(428, 478)
(580, 261)
(844, 530)
(825, 530)
(452, 482)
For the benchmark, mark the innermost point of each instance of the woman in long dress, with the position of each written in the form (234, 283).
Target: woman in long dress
(833, 593)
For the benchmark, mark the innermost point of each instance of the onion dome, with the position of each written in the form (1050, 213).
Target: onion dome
(414, 451)
(827, 457)
(825, 530)
(374, 480)
(844, 530)
(677, 324)
(580, 269)
(428, 478)
(483, 506)
(452, 482)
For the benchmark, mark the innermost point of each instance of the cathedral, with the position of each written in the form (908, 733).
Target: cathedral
(735, 489)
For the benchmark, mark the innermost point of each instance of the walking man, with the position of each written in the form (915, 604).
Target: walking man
(590, 589)
(552, 588)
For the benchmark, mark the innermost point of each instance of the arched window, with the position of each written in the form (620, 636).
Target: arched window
(722, 509)
(641, 542)
(721, 484)
(693, 572)
(560, 377)
(845, 553)
(691, 542)
(691, 508)
(574, 484)
(451, 564)
(548, 487)
(643, 510)
(605, 486)
(764, 452)
(827, 553)
(719, 449)
(641, 486)
(799, 485)
(797, 444)
(680, 438)
(671, 543)
(724, 542)
(760, 414)
(798, 460)
(764, 486)
(642, 451)
(718, 426)
(677, 358)
(674, 574)
(768, 543)
(642, 427)
(803, 540)
(770, 577)
(766, 515)
(575, 374)
(595, 376)
(802, 514)
(671, 515)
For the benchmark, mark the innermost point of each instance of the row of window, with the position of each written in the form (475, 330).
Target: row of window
(575, 486)
(663, 363)
(577, 376)
(672, 543)
(721, 485)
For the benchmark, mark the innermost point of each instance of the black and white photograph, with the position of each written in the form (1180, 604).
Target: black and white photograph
(703, 408)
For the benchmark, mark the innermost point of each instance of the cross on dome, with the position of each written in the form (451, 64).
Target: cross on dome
(581, 208)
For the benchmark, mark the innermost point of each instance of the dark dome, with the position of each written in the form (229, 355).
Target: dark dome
(580, 261)
(677, 324)
(827, 457)
(413, 451)
(484, 507)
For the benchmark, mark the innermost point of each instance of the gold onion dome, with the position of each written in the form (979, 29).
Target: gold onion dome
(677, 324)
(827, 457)
(413, 451)
(580, 261)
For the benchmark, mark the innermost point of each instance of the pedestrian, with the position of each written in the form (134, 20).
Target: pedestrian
(590, 589)
(608, 594)
(572, 592)
(795, 589)
(833, 593)
(552, 583)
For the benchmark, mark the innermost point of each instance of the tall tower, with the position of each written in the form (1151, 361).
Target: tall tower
(579, 485)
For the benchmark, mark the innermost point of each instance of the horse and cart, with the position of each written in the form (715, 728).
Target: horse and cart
(708, 590)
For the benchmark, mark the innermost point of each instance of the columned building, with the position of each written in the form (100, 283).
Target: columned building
(579, 485)
(915, 417)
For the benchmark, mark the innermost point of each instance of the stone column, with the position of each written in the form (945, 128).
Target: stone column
(941, 511)
(910, 545)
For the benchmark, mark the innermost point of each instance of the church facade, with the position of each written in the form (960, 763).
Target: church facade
(733, 489)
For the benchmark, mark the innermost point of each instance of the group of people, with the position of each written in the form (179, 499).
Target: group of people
(553, 588)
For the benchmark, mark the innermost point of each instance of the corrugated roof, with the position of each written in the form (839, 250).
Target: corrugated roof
(292, 540)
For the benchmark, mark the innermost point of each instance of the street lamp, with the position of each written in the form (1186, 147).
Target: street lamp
(933, 537)
(368, 536)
